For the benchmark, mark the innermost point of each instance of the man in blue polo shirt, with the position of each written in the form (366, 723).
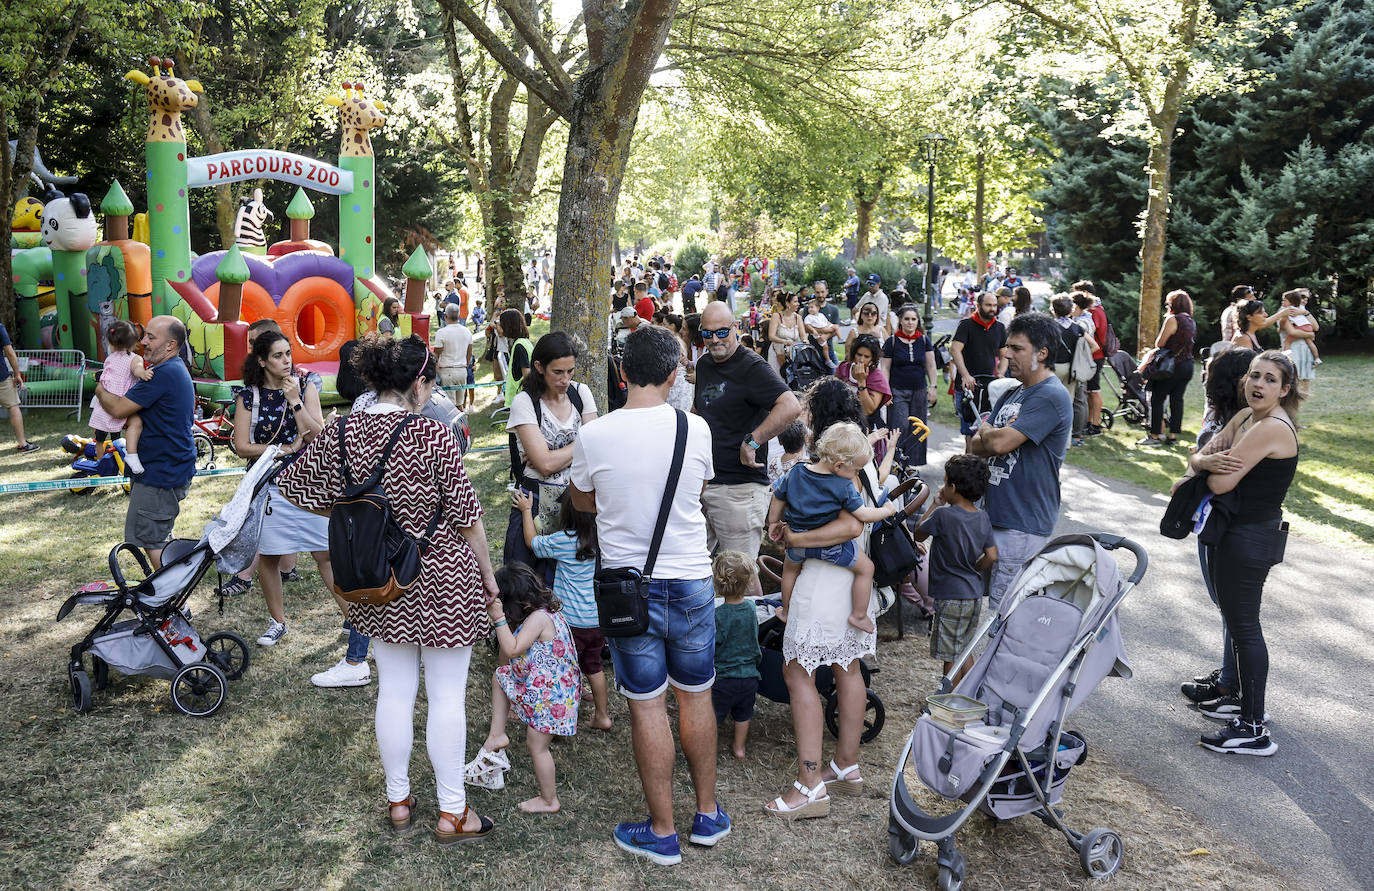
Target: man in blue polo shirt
(165, 403)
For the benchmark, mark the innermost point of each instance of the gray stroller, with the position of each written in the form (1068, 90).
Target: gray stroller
(159, 640)
(997, 742)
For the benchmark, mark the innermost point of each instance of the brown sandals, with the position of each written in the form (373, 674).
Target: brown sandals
(452, 838)
(401, 827)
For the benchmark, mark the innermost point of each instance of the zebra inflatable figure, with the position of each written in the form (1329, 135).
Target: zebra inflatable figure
(248, 234)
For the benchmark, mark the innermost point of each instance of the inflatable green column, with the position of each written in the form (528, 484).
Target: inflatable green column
(169, 215)
(357, 216)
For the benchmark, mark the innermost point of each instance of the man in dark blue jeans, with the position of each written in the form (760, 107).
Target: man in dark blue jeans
(679, 647)
(165, 404)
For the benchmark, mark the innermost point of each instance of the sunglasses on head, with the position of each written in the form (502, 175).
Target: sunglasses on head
(721, 333)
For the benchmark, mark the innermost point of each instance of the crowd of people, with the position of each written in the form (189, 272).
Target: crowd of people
(713, 404)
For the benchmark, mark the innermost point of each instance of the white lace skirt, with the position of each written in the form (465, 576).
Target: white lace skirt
(818, 630)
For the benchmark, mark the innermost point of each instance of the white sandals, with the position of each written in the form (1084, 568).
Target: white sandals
(487, 770)
(817, 804)
(842, 783)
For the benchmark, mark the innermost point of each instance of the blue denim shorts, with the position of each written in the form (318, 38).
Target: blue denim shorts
(843, 555)
(680, 646)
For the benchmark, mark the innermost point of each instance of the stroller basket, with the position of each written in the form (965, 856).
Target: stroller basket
(130, 649)
(1012, 795)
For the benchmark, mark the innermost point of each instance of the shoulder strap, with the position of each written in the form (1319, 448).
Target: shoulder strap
(575, 397)
(343, 454)
(868, 489)
(669, 492)
(386, 450)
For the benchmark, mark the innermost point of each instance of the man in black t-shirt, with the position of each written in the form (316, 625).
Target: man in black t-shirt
(977, 351)
(745, 403)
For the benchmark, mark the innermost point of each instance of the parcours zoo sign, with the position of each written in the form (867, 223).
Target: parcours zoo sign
(228, 167)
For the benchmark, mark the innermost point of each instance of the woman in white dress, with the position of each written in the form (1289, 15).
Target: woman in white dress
(784, 329)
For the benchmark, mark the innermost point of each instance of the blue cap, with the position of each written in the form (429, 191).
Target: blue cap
(874, 278)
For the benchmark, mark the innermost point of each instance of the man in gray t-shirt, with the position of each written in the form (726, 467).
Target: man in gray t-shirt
(1024, 440)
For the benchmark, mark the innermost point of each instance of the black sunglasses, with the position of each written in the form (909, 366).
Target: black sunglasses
(720, 333)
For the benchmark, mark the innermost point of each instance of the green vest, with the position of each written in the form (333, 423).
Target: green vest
(513, 382)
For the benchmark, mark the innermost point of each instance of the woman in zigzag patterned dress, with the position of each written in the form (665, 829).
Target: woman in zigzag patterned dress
(438, 620)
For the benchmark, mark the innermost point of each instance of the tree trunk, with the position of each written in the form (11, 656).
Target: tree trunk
(1154, 241)
(601, 126)
(8, 308)
(505, 248)
(863, 213)
(980, 248)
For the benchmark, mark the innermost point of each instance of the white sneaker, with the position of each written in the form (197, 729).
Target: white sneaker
(343, 674)
(275, 632)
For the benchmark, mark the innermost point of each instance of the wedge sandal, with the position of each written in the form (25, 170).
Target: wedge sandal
(847, 781)
(401, 827)
(814, 806)
(461, 836)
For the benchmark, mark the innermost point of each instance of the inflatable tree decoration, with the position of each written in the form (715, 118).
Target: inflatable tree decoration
(232, 272)
(300, 211)
(417, 272)
(169, 215)
(117, 209)
(358, 116)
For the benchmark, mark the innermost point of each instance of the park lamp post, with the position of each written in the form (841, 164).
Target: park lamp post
(930, 152)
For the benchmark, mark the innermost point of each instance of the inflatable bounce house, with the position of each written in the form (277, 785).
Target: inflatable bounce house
(320, 300)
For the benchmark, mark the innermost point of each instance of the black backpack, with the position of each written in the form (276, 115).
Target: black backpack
(1068, 343)
(517, 467)
(374, 560)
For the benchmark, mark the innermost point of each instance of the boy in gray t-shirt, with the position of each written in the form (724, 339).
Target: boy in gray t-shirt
(962, 551)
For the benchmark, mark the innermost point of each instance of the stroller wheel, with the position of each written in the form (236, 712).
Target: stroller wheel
(875, 716)
(902, 847)
(951, 877)
(81, 689)
(1134, 415)
(199, 689)
(229, 652)
(101, 669)
(1100, 852)
(1107, 419)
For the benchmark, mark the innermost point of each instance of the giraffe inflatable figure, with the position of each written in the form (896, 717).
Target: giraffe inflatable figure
(357, 115)
(168, 97)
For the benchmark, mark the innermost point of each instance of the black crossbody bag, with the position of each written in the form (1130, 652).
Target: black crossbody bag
(622, 594)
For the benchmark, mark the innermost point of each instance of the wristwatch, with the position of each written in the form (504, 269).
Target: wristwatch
(298, 406)
(750, 442)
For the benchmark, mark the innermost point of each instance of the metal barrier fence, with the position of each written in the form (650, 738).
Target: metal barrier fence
(53, 379)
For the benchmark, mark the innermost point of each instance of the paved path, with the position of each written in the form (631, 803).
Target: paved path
(1309, 809)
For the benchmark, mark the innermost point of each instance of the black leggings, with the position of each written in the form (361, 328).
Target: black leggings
(1171, 388)
(1239, 565)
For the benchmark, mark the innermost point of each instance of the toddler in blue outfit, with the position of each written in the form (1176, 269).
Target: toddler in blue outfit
(812, 495)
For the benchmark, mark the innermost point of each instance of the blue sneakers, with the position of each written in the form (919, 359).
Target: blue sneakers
(707, 829)
(639, 839)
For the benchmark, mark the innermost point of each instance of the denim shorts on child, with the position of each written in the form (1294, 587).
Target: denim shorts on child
(952, 628)
(843, 555)
(679, 647)
(734, 697)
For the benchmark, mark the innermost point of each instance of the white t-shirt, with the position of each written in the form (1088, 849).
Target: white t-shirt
(816, 320)
(1006, 314)
(624, 457)
(557, 433)
(455, 340)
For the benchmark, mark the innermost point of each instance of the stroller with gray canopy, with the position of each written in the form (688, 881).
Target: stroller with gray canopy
(997, 743)
(159, 640)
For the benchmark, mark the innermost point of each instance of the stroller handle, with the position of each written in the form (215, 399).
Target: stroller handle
(1112, 542)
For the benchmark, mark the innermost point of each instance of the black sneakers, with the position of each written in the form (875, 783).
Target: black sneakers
(1210, 678)
(1240, 738)
(1203, 691)
(1223, 707)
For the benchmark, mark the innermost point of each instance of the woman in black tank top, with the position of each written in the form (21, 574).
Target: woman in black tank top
(1253, 458)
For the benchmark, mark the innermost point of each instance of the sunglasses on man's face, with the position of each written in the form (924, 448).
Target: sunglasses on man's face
(720, 333)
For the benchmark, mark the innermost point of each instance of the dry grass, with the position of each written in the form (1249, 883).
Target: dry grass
(283, 788)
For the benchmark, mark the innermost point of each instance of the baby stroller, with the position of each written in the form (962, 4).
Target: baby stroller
(1132, 403)
(159, 640)
(806, 364)
(773, 687)
(997, 742)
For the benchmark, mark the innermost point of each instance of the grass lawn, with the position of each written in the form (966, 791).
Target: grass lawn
(1332, 497)
(283, 787)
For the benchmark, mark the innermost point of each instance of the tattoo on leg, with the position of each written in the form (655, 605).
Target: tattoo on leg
(809, 765)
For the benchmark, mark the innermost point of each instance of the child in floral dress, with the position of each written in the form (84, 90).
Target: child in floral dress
(541, 682)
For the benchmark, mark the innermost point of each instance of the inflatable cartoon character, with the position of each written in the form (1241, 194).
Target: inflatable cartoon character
(253, 213)
(68, 224)
(27, 223)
